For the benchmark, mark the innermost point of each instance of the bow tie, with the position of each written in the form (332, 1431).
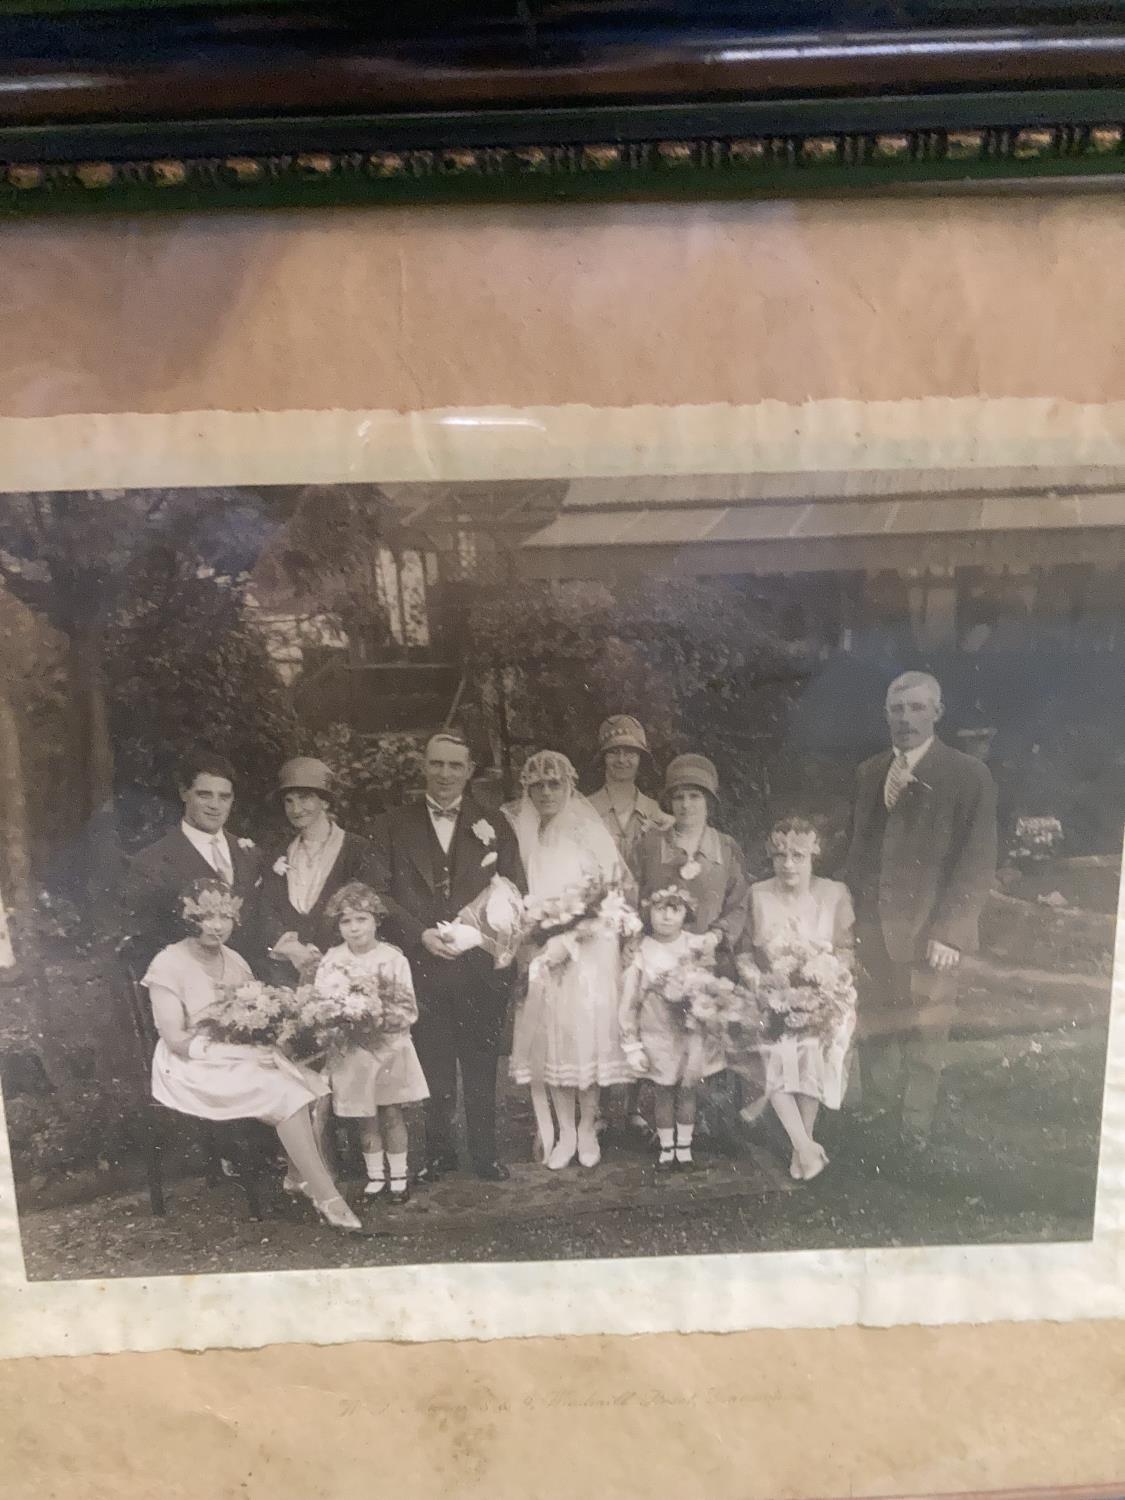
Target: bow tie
(441, 813)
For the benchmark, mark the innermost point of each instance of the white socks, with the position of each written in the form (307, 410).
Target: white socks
(666, 1135)
(396, 1165)
(684, 1134)
(377, 1176)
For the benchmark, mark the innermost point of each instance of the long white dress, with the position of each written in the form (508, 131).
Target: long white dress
(229, 1082)
(807, 1065)
(566, 1031)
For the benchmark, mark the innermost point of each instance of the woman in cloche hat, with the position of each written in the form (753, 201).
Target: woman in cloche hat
(694, 854)
(320, 859)
(619, 802)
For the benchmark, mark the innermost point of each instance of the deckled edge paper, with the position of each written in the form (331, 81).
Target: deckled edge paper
(667, 1294)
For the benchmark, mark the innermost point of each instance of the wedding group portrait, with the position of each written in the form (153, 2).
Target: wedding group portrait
(529, 870)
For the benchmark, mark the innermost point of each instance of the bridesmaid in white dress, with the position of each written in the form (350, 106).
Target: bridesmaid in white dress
(802, 1073)
(219, 1080)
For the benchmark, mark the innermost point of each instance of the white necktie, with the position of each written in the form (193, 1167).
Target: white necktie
(221, 860)
(897, 778)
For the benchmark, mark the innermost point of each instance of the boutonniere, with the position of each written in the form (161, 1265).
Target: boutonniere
(690, 870)
(246, 843)
(484, 831)
(281, 866)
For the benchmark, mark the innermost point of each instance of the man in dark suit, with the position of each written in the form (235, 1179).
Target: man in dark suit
(438, 854)
(198, 846)
(921, 864)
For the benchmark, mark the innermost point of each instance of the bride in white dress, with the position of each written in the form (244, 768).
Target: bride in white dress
(567, 1043)
(803, 1072)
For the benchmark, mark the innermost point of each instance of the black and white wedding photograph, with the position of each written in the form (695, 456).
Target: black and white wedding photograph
(533, 870)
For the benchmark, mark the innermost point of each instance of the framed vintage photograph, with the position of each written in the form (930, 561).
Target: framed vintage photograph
(614, 869)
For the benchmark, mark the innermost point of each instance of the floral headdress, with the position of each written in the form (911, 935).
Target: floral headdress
(547, 764)
(209, 898)
(794, 841)
(671, 895)
(355, 896)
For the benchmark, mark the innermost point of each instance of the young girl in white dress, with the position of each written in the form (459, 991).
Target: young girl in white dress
(802, 1073)
(219, 1080)
(371, 1086)
(566, 1042)
(656, 1042)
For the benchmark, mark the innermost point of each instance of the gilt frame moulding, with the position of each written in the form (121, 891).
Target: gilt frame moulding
(124, 106)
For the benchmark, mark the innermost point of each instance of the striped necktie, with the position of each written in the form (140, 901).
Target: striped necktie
(221, 860)
(897, 778)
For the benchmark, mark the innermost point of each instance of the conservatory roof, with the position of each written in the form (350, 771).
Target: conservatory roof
(798, 522)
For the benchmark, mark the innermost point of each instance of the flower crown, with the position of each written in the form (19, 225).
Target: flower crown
(355, 896)
(670, 895)
(793, 841)
(210, 903)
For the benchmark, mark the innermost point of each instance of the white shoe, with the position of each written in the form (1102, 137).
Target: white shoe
(563, 1153)
(795, 1168)
(589, 1152)
(815, 1165)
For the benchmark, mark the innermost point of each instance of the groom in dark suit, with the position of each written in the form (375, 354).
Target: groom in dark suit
(438, 854)
(198, 846)
(921, 864)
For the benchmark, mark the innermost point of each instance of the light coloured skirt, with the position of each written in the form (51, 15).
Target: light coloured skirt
(808, 1065)
(566, 1030)
(234, 1083)
(361, 1083)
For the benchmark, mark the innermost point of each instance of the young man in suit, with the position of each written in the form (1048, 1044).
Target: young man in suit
(921, 864)
(198, 846)
(438, 854)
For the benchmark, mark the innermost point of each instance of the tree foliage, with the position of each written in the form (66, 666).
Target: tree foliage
(696, 661)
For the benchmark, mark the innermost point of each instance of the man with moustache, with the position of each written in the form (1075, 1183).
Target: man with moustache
(921, 864)
(438, 855)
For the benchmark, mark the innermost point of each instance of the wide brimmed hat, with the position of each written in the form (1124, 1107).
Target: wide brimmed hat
(304, 773)
(692, 770)
(622, 732)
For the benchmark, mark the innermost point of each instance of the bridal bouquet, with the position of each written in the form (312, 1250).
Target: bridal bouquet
(347, 1005)
(579, 911)
(493, 921)
(250, 1014)
(805, 988)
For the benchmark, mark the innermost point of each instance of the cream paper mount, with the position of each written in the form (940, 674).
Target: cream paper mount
(1049, 468)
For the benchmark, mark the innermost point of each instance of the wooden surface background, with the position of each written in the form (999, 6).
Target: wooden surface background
(608, 306)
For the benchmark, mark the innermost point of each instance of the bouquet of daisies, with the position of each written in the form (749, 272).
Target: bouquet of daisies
(803, 987)
(348, 1005)
(701, 999)
(250, 1014)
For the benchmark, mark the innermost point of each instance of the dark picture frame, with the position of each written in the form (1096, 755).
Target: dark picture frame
(128, 105)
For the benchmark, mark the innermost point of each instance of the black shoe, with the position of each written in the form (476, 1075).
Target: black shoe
(437, 1168)
(396, 1196)
(670, 1165)
(493, 1171)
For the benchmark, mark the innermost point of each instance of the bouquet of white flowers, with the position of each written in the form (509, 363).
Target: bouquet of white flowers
(581, 911)
(347, 1005)
(249, 1014)
(805, 988)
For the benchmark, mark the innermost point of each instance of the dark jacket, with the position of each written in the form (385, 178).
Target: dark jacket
(923, 871)
(154, 880)
(355, 861)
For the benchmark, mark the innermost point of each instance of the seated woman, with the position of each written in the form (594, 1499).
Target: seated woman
(217, 1080)
(807, 1071)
